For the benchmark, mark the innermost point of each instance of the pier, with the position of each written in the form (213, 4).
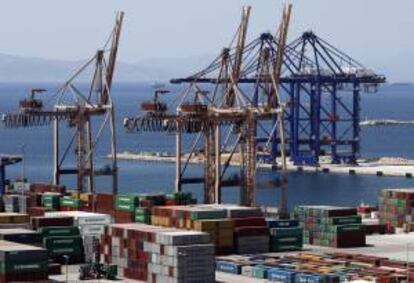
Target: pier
(391, 167)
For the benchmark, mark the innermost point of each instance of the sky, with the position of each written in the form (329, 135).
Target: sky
(377, 33)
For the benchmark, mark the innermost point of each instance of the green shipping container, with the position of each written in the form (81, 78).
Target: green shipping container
(50, 201)
(280, 232)
(54, 242)
(208, 214)
(126, 202)
(286, 247)
(23, 266)
(346, 228)
(142, 211)
(70, 202)
(59, 231)
(70, 251)
(146, 219)
(356, 219)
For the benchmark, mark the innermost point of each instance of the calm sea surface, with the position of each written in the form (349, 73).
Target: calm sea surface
(393, 102)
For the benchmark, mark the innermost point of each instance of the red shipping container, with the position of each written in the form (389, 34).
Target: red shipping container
(251, 231)
(43, 221)
(249, 222)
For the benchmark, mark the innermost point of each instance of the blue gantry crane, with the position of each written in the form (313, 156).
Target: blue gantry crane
(321, 88)
(6, 161)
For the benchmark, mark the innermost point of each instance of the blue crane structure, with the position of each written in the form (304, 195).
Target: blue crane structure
(6, 161)
(321, 89)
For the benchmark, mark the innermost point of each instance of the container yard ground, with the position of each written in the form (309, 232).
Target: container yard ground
(391, 246)
(381, 167)
(73, 276)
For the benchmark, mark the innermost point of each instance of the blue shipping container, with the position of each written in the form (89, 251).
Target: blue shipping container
(280, 275)
(282, 223)
(228, 267)
(308, 278)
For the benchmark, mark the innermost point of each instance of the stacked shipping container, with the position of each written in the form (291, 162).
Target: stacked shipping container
(315, 268)
(231, 228)
(331, 226)
(22, 263)
(91, 227)
(285, 235)
(396, 207)
(158, 254)
(60, 237)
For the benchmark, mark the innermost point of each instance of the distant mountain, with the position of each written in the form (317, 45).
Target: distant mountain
(30, 69)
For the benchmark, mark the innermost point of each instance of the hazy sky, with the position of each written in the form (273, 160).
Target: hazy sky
(379, 33)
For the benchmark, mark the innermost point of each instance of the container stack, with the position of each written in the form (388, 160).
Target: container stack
(15, 203)
(91, 227)
(145, 203)
(37, 190)
(125, 206)
(41, 188)
(179, 199)
(315, 268)
(49, 221)
(220, 232)
(89, 223)
(251, 235)
(86, 201)
(60, 237)
(183, 217)
(51, 201)
(103, 203)
(22, 236)
(232, 228)
(14, 220)
(331, 226)
(11, 203)
(285, 235)
(68, 243)
(62, 241)
(396, 207)
(22, 263)
(158, 254)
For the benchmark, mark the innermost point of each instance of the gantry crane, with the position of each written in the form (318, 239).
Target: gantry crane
(6, 161)
(85, 110)
(225, 117)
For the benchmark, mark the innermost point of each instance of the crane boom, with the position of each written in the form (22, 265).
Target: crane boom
(241, 42)
(238, 58)
(112, 55)
(278, 62)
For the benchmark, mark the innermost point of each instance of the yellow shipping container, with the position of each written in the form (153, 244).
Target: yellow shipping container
(14, 218)
(225, 242)
(181, 223)
(188, 224)
(226, 232)
(154, 220)
(85, 197)
(5, 219)
(203, 225)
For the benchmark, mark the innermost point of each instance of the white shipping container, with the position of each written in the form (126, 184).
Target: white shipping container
(82, 217)
(92, 229)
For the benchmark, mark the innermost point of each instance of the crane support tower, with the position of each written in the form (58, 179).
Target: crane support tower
(88, 113)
